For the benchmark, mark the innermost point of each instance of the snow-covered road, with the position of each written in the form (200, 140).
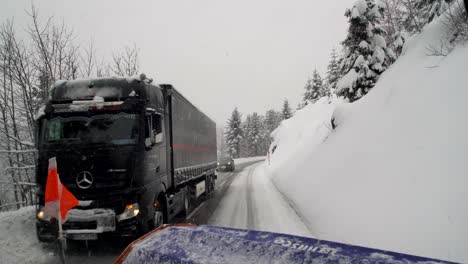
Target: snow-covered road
(245, 198)
(253, 202)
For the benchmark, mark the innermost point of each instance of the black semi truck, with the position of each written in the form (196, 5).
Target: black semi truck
(135, 155)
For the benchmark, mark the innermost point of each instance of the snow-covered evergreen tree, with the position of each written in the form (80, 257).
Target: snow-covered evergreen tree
(234, 134)
(393, 25)
(305, 98)
(300, 106)
(366, 53)
(286, 112)
(244, 146)
(333, 72)
(255, 136)
(221, 142)
(272, 120)
(264, 135)
(255, 141)
(314, 89)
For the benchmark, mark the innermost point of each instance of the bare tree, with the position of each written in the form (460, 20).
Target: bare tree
(12, 120)
(88, 60)
(456, 21)
(394, 15)
(126, 63)
(102, 68)
(413, 22)
(27, 71)
(56, 57)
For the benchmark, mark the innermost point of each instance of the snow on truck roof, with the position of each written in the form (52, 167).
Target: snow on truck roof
(99, 87)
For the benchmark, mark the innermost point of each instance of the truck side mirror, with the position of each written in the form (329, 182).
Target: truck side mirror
(159, 138)
(148, 143)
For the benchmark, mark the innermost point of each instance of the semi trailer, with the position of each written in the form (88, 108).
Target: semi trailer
(135, 155)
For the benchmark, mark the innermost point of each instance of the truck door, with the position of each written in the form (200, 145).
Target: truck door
(159, 143)
(155, 145)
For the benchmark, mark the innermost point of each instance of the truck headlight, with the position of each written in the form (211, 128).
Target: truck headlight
(41, 215)
(130, 211)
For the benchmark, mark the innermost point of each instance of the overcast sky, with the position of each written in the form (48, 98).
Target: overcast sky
(250, 54)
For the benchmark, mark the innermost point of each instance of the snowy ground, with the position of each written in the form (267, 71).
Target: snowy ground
(253, 202)
(18, 242)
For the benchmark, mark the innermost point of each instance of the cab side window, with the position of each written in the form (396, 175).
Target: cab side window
(157, 128)
(157, 124)
(153, 130)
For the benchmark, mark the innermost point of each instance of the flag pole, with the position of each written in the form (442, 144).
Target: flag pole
(58, 200)
(60, 225)
(62, 241)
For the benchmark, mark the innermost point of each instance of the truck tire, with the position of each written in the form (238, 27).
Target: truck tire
(160, 213)
(154, 218)
(186, 209)
(158, 219)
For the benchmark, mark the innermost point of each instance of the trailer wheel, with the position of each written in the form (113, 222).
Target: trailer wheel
(211, 184)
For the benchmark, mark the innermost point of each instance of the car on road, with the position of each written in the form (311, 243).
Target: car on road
(226, 164)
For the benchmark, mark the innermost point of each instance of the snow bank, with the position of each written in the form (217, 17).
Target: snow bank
(293, 138)
(18, 241)
(394, 173)
(250, 159)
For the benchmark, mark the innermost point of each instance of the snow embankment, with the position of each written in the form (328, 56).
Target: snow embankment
(18, 241)
(250, 159)
(394, 173)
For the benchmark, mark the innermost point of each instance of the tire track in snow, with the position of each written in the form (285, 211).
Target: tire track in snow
(249, 199)
(239, 213)
(253, 202)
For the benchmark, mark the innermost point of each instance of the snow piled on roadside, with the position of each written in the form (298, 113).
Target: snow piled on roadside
(250, 159)
(394, 173)
(18, 241)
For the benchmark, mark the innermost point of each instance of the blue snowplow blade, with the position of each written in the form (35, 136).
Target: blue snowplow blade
(208, 244)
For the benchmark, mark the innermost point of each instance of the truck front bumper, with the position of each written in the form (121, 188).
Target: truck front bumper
(87, 225)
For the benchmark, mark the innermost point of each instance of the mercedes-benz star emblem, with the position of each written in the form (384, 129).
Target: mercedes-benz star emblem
(84, 180)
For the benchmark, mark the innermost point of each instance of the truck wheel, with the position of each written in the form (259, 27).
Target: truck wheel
(158, 219)
(186, 209)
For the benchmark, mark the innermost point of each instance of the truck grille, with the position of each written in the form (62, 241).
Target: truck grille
(106, 169)
(116, 203)
(79, 225)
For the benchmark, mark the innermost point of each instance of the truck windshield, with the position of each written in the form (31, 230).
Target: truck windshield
(117, 129)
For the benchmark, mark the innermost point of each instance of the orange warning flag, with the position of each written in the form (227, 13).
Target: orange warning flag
(57, 196)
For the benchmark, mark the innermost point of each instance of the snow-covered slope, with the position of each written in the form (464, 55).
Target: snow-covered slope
(18, 241)
(394, 173)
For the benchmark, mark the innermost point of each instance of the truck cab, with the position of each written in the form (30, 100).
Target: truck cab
(113, 141)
